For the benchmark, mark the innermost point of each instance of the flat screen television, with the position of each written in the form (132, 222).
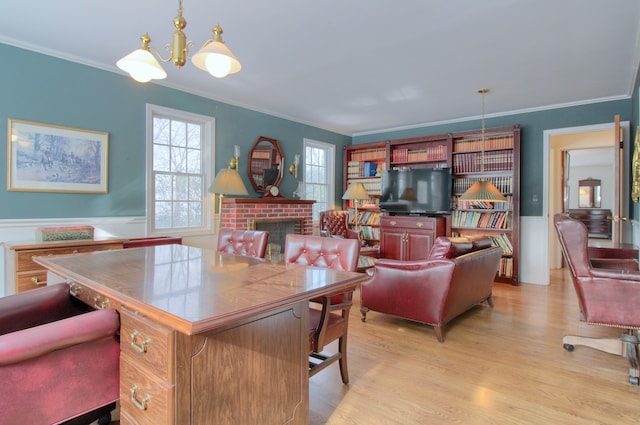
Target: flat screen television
(420, 191)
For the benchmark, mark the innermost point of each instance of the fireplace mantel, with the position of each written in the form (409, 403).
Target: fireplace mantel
(236, 212)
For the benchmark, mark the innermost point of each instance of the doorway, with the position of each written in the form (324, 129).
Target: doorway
(558, 141)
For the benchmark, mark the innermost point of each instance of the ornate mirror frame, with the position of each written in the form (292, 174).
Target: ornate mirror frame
(265, 155)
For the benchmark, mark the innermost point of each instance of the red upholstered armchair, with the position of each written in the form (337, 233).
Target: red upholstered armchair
(331, 320)
(458, 275)
(607, 297)
(57, 362)
(250, 243)
(335, 223)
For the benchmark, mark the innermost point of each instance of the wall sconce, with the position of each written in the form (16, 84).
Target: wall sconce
(234, 163)
(293, 168)
(214, 56)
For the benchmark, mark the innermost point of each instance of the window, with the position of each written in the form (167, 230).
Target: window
(179, 146)
(319, 175)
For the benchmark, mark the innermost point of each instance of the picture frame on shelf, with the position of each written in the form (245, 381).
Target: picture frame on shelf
(52, 158)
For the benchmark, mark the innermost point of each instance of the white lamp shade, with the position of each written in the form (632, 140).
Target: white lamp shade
(356, 192)
(142, 66)
(216, 58)
(228, 182)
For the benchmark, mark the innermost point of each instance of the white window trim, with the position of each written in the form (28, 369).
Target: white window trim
(331, 165)
(208, 161)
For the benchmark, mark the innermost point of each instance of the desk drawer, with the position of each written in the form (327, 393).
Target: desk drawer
(145, 398)
(147, 343)
(92, 298)
(31, 280)
(24, 259)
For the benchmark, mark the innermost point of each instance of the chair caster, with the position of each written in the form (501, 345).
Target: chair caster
(105, 420)
(568, 347)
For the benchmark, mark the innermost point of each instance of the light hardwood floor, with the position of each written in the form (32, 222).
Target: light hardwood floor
(504, 365)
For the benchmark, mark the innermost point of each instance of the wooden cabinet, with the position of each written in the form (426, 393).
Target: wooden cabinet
(409, 238)
(597, 220)
(495, 158)
(22, 274)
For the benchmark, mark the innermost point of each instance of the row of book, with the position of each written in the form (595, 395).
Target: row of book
(490, 142)
(482, 220)
(356, 169)
(377, 154)
(373, 186)
(473, 162)
(481, 205)
(506, 267)
(503, 183)
(370, 233)
(503, 242)
(431, 153)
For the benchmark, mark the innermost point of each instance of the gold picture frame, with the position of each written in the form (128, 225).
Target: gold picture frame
(52, 158)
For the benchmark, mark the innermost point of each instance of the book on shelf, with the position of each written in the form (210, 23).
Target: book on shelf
(502, 141)
(493, 161)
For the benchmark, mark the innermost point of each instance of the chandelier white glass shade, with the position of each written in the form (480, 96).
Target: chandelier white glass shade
(214, 56)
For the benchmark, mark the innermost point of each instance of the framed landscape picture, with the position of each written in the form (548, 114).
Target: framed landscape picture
(51, 158)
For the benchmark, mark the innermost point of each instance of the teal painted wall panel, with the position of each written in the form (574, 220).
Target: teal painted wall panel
(532, 126)
(41, 88)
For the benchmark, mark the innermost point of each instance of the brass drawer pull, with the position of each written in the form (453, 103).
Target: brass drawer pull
(38, 282)
(145, 343)
(100, 305)
(419, 224)
(142, 405)
(74, 289)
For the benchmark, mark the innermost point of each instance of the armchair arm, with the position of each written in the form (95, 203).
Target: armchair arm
(633, 276)
(34, 342)
(353, 234)
(33, 308)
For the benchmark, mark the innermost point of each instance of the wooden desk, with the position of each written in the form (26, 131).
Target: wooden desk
(206, 337)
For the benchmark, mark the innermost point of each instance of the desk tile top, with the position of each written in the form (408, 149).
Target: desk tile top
(193, 288)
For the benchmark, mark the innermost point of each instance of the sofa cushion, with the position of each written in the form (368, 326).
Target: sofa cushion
(445, 247)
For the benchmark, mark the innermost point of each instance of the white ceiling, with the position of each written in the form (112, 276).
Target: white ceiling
(363, 65)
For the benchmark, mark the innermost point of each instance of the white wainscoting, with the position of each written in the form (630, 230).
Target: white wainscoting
(104, 227)
(534, 250)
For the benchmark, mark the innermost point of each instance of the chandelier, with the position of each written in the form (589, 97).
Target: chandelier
(214, 56)
(483, 190)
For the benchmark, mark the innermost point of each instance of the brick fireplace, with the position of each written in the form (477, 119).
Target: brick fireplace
(279, 216)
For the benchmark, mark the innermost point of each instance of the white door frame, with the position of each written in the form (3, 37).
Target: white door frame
(547, 135)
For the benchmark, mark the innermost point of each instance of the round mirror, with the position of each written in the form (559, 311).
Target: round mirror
(265, 164)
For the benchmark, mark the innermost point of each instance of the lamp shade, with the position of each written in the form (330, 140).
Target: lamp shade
(228, 182)
(142, 66)
(483, 191)
(356, 192)
(216, 58)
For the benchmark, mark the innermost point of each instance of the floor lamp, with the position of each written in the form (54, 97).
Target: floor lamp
(227, 182)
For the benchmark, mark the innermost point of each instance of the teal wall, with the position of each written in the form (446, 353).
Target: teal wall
(532, 126)
(41, 88)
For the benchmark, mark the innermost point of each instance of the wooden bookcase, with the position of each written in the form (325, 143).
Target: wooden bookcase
(501, 221)
(364, 164)
(463, 152)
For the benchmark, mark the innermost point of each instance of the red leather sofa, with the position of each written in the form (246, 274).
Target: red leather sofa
(58, 361)
(457, 275)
